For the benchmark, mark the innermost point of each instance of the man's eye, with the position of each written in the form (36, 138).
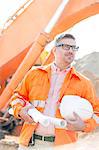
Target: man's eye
(73, 47)
(68, 46)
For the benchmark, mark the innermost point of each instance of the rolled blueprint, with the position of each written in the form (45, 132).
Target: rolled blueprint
(38, 117)
(61, 123)
(46, 120)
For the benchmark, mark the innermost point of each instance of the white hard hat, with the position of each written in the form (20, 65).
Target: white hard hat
(72, 103)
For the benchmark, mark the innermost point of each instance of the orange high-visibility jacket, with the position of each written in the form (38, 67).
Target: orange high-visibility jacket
(36, 85)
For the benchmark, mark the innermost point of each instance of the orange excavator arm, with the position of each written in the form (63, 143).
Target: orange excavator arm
(72, 13)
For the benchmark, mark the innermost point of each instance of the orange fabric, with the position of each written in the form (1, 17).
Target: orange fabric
(26, 133)
(36, 85)
(64, 136)
(17, 109)
(90, 125)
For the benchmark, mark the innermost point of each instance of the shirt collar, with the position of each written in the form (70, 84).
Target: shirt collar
(56, 69)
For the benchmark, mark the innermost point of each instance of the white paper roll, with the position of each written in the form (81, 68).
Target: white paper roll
(38, 117)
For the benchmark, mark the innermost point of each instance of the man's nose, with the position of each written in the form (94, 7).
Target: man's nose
(70, 50)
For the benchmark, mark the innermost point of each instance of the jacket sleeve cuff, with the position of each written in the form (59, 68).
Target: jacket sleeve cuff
(16, 110)
(90, 125)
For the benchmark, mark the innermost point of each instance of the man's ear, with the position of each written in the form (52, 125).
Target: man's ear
(54, 50)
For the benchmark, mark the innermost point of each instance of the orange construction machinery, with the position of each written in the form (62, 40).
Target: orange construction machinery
(27, 36)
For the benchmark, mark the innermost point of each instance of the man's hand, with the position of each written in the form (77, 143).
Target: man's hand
(24, 114)
(77, 124)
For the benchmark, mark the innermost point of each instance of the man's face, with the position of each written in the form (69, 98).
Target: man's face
(65, 53)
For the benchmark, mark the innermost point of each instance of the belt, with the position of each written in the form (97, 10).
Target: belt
(44, 138)
(40, 137)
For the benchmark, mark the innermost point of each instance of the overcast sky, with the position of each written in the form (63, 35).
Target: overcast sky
(86, 32)
(87, 35)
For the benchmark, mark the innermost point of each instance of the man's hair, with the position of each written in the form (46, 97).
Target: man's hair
(63, 36)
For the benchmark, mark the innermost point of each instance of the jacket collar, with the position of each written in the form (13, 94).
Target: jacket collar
(48, 70)
(75, 73)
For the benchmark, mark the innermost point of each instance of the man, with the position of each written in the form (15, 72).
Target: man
(44, 87)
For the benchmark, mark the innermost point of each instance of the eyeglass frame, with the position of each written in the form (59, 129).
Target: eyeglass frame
(74, 48)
